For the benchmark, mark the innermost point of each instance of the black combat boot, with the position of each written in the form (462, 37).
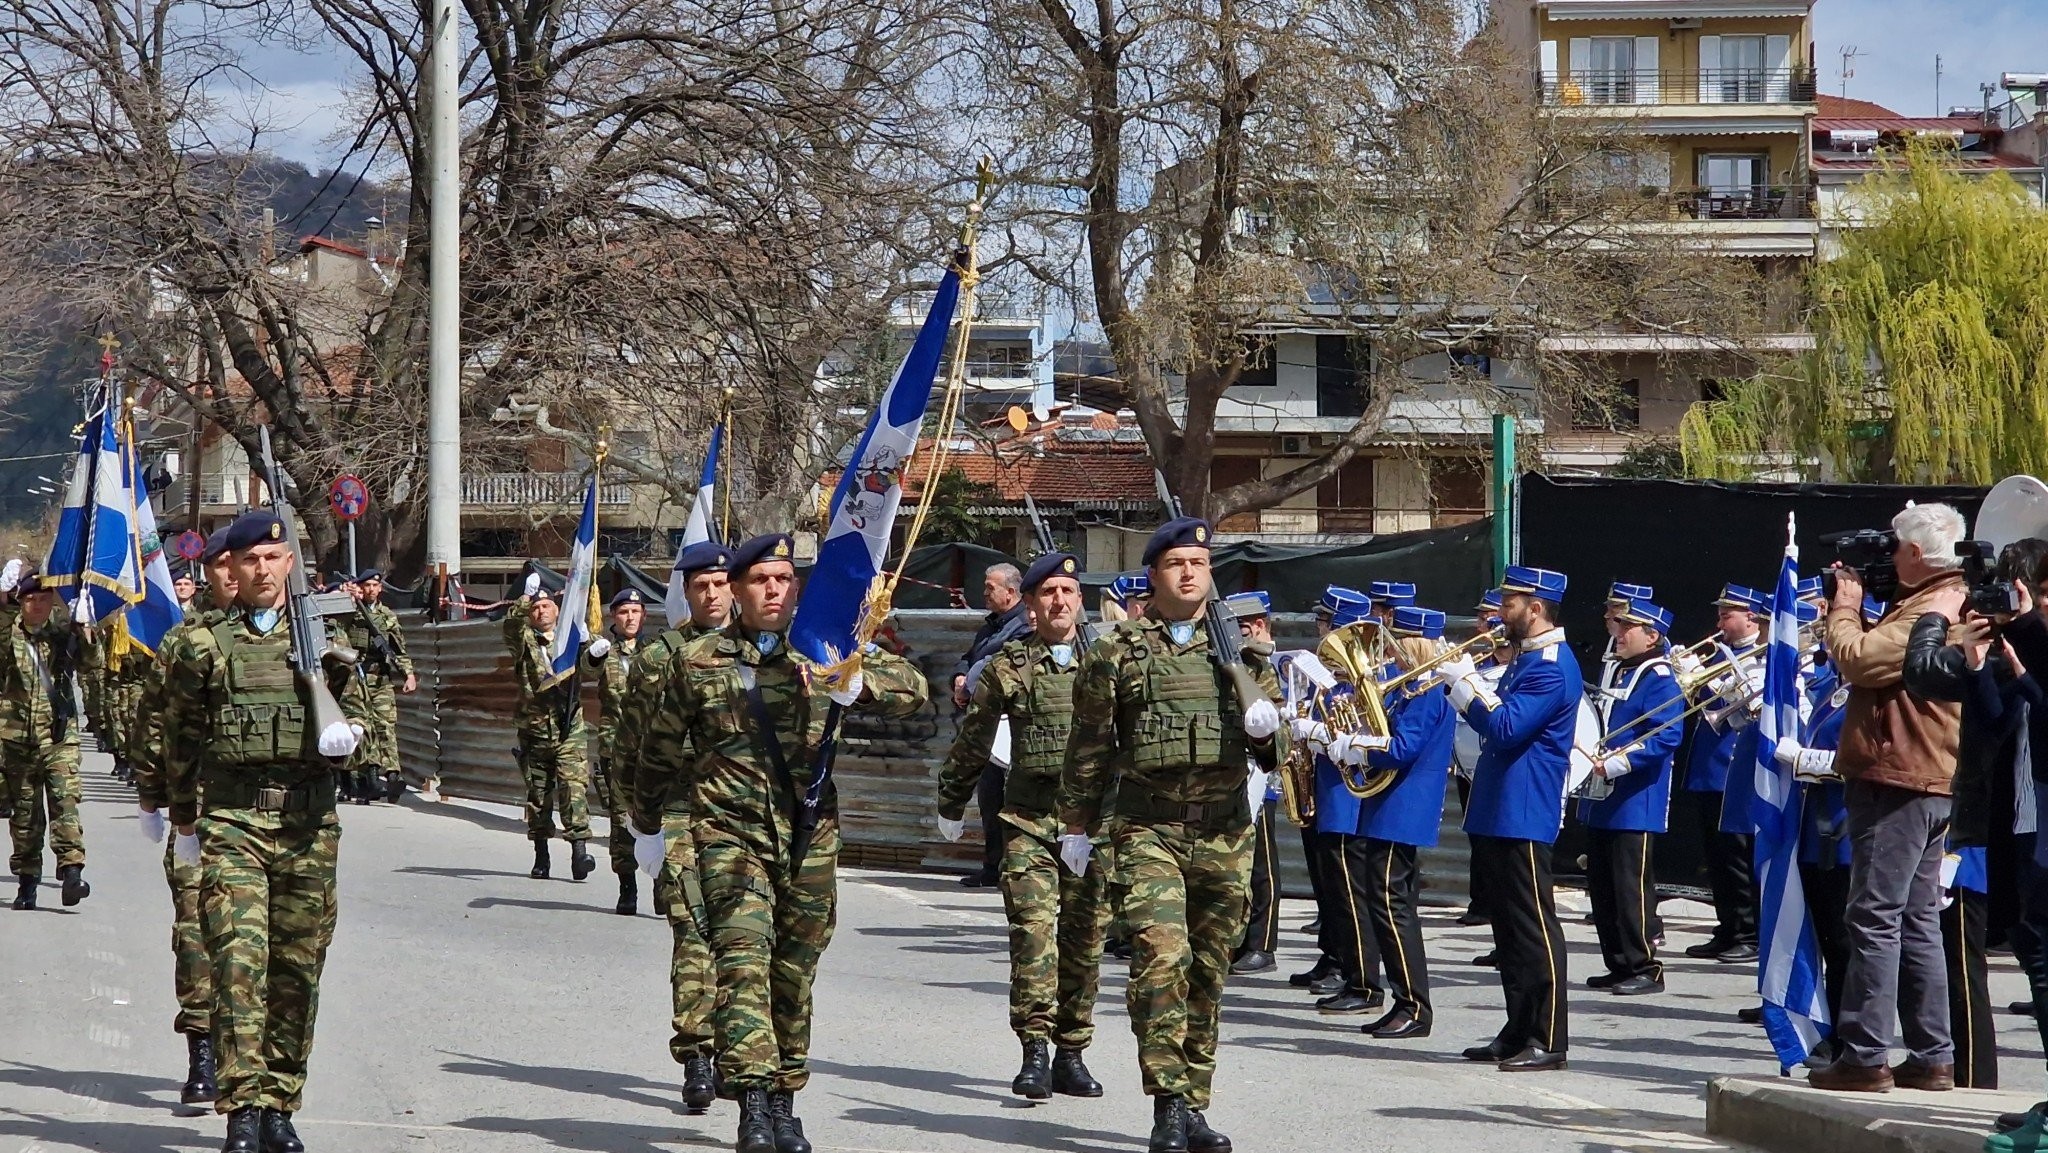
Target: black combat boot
(540, 861)
(359, 787)
(1201, 1138)
(1034, 1080)
(756, 1135)
(700, 1088)
(278, 1134)
(1169, 1125)
(26, 899)
(245, 1131)
(1070, 1075)
(789, 1132)
(75, 888)
(580, 864)
(629, 895)
(199, 1086)
(394, 787)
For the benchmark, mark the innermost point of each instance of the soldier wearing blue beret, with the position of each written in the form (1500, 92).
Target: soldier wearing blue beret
(628, 610)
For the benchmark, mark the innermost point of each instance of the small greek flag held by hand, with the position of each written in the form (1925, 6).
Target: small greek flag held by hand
(580, 614)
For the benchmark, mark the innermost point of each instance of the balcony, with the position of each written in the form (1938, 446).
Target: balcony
(226, 490)
(1747, 220)
(536, 490)
(1737, 86)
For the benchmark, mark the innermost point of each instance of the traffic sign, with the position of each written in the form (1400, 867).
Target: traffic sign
(190, 544)
(349, 496)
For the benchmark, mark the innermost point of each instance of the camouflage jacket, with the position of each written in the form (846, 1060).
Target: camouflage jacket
(151, 787)
(614, 672)
(653, 749)
(1017, 673)
(732, 776)
(395, 665)
(35, 667)
(541, 707)
(1160, 753)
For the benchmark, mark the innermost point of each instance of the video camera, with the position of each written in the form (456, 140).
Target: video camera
(1871, 552)
(1989, 596)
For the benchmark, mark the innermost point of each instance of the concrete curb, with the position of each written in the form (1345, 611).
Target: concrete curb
(1783, 1115)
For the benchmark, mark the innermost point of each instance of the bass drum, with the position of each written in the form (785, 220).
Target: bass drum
(1464, 740)
(1585, 742)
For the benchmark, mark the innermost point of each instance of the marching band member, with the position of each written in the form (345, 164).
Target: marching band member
(1639, 695)
(1404, 819)
(1619, 595)
(1345, 605)
(1526, 728)
(1125, 597)
(1386, 596)
(1721, 798)
(1346, 932)
(1465, 751)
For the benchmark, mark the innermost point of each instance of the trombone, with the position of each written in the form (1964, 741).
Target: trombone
(1691, 687)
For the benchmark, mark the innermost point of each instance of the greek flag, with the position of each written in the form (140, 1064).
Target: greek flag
(696, 530)
(92, 559)
(1788, 970)
(158, 610)
(580, 620)
(831, 624)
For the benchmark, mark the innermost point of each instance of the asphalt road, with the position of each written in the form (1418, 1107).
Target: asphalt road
(467, 1007)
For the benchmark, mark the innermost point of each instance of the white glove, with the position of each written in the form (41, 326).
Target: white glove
(1309, 731)
(845, 697)
(1456, 669)
(532, 584)
(952, 830)
(154, 826)
(598, 648)
(10, 576)
(1615, 766)
(1950, 864)
(649, 851)
(339, 740)
(1687, 663)
(1075, 849)
(1815, 766)
(1463, 690)
(1262, 720)
(1348, 749)
(1787, 753)
(186, 848)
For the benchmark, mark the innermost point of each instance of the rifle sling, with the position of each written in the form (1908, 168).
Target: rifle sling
(770, 747)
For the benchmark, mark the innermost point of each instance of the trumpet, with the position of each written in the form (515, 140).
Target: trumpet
(1491, 638)
(1715, 709)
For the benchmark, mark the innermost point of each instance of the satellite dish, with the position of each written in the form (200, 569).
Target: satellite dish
(1018, 418)
(1039, 412)
(2015, 509)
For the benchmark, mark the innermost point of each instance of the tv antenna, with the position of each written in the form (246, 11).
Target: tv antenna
(1849, 53)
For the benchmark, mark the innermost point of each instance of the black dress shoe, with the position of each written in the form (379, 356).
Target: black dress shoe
(1493, 1053)
(1201, 1138)
(1396, 1026)
(1638, 985)
(1737, 954)
(1752, 1015)
(1329, 986)
(245, 1131)
(1313, 927)
(1605, 980)
(1033, 1082)
(1253, 962)
(1488, 960)
(1533, 1060)
(1351, 1001)
(977, 881)
(1472, 917)
(1709, 948)
(1169, 1125)
(1323, 967)
(1070, 1075)
(700, 1087)
(2021, 1009)
(278, 1134)
(541, 863)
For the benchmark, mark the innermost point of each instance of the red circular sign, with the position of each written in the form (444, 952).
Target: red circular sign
(190, 544)
(349, 496)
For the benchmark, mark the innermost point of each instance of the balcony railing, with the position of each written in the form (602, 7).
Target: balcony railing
(225, 489)
(536, 489)
(1003, 369)
(1742, 202)
(1713, 86)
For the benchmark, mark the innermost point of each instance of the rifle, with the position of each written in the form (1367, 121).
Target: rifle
(380, 641)
(63, 698)
(1226, 640)
(1087, 631)
(310, 644)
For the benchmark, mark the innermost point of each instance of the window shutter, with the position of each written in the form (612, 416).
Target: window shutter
(1546, 61)
(1648, 91)
(1653, 169)
(1710, 68)
(1778, 59)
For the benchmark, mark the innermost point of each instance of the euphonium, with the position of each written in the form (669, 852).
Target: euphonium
(1354, 651)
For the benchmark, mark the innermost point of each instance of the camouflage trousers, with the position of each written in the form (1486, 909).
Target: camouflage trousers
(692, 980)
(618, 800)
(123, 704)
(44, 782)
(1184, 895)
(266, 900)
(767, 933)
(1056, 924)
(557, 776)
(192, 971)
(379, 749)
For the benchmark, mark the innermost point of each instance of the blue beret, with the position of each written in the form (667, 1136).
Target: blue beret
(216, 544)
(1391, 593)
(1180, 532)
(1810, 589)
(772, 546)
(1052, 564)
(1541, 583)
(1416, 621)
(1642, 612)
(1338, 600)
(628, 596)
(704, 556)
(1129, 585)
(1873, 609)
(369, 574)
(1746, 599)
(1249, 604)
(1621, 592)
(257, 526)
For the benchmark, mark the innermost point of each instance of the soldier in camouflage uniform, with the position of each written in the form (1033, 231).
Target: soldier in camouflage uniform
(1153, 713)
(755, 719)
(1056, 918)
(629, 612)
(653, 760)
(554, 746)
(256, 786)
(383, 670)
(38, 737)
(192, 971)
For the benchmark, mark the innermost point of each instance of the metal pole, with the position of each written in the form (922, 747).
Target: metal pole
(1503, 493)
(353, 568)
(444, 350)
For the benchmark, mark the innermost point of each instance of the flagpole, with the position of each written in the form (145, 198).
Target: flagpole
(725, 489)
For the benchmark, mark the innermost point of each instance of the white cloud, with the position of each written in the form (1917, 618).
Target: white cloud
(1897, 41)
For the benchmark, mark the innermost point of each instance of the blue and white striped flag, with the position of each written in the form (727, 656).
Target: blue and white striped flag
(579, 620)
(92, 559)
(158, 611)
(696, 530)
(1795, 1002)
(837, 596)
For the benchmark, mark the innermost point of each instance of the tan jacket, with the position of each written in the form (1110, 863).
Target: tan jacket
(1889, 736)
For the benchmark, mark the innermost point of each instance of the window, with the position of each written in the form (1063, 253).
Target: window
(1340, 384)
(1610, 79)
(1733, 184)
(1740, 71)
(623, 541)
(1000, 360)
(1344, 502)
(1712, 390)
(1227, 472)
(1605, 408)
(1457, 489)
(1261, 363)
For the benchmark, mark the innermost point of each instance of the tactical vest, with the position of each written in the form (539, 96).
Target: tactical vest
(261, 721)
(1183, 718)
(1038, 737)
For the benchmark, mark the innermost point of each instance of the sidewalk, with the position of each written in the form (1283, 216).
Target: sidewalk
(1783, 1115)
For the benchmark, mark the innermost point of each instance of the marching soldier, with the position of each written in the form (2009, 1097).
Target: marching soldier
(252, 789)
(186, 588)
(755, 718)
(1056, 918)
(1152, 714)
(1526, 727)
(654, 757)
(1254, 954)
(374, 633)
(1722, 799)
(554, 753)
(38, 652)
(1638, 710)
(614, 788)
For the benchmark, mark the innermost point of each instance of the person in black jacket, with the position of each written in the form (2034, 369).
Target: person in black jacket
(1002, 590)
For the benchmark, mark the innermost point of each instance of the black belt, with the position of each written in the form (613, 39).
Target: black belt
(1136, 805)
(317, 797)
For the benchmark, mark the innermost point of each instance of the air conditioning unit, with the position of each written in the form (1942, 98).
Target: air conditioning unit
(1295, 446)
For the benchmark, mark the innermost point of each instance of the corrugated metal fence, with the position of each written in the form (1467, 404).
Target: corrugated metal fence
(458, 726)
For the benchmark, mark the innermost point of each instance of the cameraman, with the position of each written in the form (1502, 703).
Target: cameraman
(1898, 756)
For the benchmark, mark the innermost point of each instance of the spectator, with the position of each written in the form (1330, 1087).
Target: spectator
(1898, 757)
(1002, 590)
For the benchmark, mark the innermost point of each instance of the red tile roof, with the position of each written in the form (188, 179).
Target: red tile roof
(307, 243)
(1839, 106)
(1045, 466)
(1970, 124)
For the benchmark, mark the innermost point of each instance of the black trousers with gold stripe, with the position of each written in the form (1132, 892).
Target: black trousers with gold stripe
(1528, 939)
(1969, 994)
(1621, 881)
(1262, 925)
(1395, 888)
(1347, 927)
